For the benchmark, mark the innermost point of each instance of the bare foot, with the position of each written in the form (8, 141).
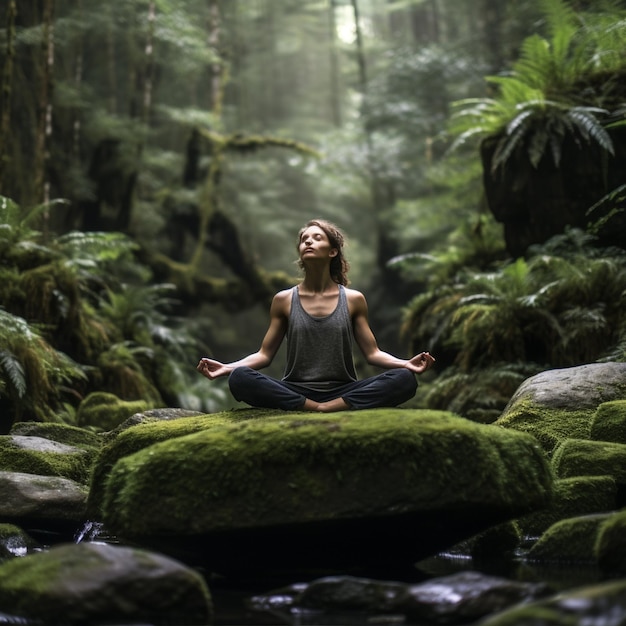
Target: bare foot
(338, 404)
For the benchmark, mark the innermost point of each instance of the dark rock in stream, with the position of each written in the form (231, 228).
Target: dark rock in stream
(456, 599)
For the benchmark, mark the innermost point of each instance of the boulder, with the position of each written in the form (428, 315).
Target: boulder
(561, 404)
(98, 584)
(37, 455)
(345, 488)
(28, 498)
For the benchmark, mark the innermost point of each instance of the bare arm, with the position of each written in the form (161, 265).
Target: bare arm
(369, 346)
(269, 346)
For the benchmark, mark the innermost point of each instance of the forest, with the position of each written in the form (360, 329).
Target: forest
(157, 158)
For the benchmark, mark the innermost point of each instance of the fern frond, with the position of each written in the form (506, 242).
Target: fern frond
(14, 372)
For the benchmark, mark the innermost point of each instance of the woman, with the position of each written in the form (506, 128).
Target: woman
(321, 318)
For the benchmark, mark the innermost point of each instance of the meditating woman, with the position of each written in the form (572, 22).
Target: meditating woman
(321, 318)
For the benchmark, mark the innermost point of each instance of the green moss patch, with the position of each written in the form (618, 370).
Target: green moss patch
(154, 431)
(576, 457)
(34, 455)
(550, 426)
(611, 545)
(571, 540)
(609, 422)
(573, 497)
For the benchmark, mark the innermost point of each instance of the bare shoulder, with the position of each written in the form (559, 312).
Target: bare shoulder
(356, 301)
(281, 303)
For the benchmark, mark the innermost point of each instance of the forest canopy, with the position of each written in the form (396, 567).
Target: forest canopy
(157, 158)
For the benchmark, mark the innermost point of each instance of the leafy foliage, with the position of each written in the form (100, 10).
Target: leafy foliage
(81, 315)
(540, 103)
(562, 306)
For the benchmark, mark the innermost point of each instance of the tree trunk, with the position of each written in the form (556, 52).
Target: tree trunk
(7, 85)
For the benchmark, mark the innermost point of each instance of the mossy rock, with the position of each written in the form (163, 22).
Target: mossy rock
(611, 545)
(609, 422)
(94, 584)
(573, 497)
(576, 457)
(571, 540)
(36, 455)
(105, 411)
(560, 404)
(382, 479)
(63, 433)
(151, 430)
(591, 605)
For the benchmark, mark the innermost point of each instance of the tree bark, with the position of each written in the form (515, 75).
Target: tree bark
(7, 85)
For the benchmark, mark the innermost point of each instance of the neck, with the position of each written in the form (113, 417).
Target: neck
(317, 281)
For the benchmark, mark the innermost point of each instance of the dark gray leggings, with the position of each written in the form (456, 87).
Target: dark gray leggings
(391, 388)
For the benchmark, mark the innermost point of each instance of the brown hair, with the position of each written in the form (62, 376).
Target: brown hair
(339, 266)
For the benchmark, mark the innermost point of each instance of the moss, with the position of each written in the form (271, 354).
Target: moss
(74, 464)
(69, 435)
(570, 540)
(573, 497)
(576, 457)
(610, 546)
(300, 467)
(609, 422)
(154, 431)
(548, 425)
(105, 411)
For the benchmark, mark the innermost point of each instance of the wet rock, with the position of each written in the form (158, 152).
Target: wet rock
(596, 605)
(347, 593)
(49, 499)
(14, 542)
(277, 488)
(464, 597)
(96, 584)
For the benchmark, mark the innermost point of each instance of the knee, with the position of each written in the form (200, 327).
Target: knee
(239, 377)
(406, 380)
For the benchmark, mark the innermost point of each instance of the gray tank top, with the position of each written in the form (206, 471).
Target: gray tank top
(319, 349)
